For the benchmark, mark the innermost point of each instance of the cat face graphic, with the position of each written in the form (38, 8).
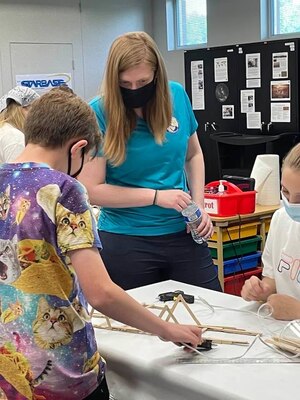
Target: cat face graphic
(4, 203)
(73, 228)
(54, 326)
(9, 265)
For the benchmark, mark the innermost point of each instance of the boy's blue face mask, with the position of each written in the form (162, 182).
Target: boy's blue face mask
(293, 210)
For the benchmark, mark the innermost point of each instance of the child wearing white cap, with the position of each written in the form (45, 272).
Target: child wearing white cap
(13, 109)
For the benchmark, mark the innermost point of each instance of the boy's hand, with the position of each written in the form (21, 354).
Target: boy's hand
(255, 289)
(177, 333)
(284, 307)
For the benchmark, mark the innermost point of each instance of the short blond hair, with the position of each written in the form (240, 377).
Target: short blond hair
(292, 159)
(127, 51)
(13, 115)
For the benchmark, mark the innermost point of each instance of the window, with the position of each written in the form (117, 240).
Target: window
(285, 16)
(186, 23)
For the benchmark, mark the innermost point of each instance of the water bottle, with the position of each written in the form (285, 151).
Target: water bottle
(192, 217)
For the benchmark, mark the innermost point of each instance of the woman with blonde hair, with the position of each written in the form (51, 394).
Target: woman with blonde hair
(280, 283)
(149, 169)
(13, 109)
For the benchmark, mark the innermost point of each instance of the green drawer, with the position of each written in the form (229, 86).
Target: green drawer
(238, 248)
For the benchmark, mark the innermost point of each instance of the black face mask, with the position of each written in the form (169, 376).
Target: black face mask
(70, 163)
(137, 98)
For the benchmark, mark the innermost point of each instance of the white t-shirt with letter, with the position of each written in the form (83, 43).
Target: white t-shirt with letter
(281, 256)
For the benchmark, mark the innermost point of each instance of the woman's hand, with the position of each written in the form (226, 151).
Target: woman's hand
(206, 228)
(179, 200)
(173, 198)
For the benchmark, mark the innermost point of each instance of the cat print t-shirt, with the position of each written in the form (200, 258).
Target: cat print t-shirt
(48, 349)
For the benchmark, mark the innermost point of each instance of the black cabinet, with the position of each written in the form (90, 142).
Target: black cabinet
(270, 71)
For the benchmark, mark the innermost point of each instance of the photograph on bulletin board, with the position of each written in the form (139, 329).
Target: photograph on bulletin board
(228, 111)
(280, 90)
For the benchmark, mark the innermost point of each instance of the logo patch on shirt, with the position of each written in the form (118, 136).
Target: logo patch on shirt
(173, 128)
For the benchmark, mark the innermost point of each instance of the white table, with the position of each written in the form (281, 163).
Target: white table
(142, 367)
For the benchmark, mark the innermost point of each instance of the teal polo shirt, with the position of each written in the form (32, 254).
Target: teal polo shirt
(150, 165)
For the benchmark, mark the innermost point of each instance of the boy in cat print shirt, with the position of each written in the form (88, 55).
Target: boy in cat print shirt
(50, 267)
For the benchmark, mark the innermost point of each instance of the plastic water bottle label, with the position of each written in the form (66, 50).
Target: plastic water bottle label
(195, 216)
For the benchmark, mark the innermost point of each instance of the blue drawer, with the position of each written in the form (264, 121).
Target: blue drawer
(240, 264)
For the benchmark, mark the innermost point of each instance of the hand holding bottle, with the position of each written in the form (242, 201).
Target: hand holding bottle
(206, 228)
(198, 222)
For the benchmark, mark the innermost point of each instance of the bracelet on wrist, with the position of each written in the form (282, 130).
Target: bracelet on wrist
(155, 197)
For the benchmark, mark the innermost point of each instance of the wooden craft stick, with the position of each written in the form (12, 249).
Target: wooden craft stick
(220, 326)
(284, 346)
(170, 316)
(97, 315)
(226, 341)
(289, 339)
(225, 329)
(120, 329)
(181, 299)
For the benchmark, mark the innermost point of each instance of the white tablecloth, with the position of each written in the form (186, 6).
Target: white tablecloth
(142, 367)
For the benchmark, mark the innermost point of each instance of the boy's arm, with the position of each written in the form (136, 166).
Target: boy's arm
(108, 298)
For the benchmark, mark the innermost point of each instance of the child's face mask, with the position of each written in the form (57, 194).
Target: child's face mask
(74, 175)
(293, 210)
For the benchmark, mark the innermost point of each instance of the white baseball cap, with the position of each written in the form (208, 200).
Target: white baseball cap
(20, 94)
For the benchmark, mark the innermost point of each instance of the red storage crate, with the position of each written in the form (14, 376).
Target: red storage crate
(233, 284)
(232, 201)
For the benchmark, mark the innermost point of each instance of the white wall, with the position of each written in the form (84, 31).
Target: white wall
(90, 31)
(102, 22)
(233, 22)
(39, 21)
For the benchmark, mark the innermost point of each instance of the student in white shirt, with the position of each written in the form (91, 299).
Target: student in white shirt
(280, 284)
(13, 109)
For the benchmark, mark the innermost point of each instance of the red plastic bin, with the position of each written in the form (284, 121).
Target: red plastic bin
(232, 201)
(233, 284)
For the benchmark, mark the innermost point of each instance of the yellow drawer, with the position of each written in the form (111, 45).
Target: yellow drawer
(267, 224)
(237, 232)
